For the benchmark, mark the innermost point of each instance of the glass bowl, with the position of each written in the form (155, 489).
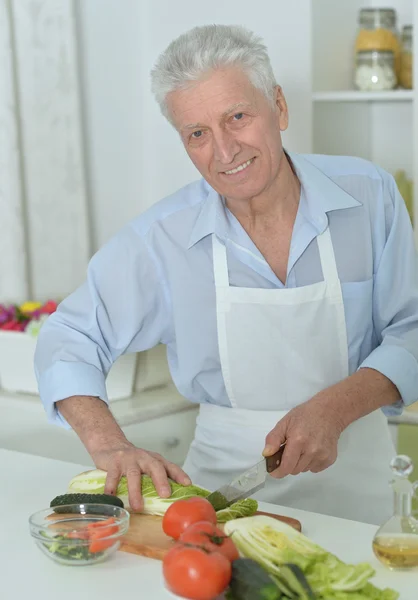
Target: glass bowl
(79, 534)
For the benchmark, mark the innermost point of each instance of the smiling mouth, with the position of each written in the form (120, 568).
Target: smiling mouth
(241, 167)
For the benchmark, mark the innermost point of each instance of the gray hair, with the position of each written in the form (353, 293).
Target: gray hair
(198, 51)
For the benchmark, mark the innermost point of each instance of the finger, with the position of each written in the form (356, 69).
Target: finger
(158, 474)
(112, 481)
(275, 438)
(321, 465)
(176, 473)
(304, 461)
(290, 458)
(133, 475)
(316, 466)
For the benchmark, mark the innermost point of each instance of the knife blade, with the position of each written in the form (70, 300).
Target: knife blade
(247, 483)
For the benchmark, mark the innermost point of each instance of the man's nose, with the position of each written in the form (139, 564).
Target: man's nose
(226, 148)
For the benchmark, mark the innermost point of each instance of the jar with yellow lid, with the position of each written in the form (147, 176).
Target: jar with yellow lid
(378, 31)
(405, 77)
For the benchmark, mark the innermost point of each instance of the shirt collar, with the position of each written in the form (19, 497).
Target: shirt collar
(321, 193)
(211, 218)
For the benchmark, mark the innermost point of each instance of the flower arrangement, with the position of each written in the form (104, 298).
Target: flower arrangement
(27, 317)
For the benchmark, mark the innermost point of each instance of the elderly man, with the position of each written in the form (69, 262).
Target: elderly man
(284, 287)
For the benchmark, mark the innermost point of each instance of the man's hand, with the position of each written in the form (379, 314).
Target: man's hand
(311, 432)
(125, 459)
(106, 443)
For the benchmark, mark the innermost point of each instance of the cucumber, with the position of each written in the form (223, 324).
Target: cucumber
(250, 581)
(64, 499)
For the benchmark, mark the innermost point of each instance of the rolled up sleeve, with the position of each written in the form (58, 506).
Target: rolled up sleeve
(120, 308)
(395, 301)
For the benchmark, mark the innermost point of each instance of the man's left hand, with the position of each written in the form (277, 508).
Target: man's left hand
(311, 432)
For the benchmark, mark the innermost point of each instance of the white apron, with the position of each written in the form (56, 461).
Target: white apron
(278, 348)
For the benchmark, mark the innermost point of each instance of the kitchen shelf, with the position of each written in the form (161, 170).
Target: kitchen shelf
(358, 96)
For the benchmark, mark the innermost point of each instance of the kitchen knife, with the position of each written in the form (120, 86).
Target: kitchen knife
(247, 483)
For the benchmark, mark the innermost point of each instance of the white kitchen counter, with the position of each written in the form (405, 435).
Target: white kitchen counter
(30, 482)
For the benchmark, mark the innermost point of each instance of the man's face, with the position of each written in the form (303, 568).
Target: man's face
(231, 132)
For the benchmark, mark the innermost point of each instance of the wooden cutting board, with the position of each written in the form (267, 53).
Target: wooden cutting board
(147, 538)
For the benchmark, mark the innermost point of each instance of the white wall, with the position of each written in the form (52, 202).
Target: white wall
(135, 156)
(109, 44)
(44, 226)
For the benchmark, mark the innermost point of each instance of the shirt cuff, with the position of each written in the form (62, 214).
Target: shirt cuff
(401, 367)
(64, 379)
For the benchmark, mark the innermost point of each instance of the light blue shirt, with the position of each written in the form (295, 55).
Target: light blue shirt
(153, 283)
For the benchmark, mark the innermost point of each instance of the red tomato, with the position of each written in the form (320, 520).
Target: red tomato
(195, 574)
(183, 513)
(104, 523)
(211, 538)
(99, 530)
(98, 545)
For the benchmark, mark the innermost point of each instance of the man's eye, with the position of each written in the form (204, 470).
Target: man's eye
(238, 116)
(197, 134)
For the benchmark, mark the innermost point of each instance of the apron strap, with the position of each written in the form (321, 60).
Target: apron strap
(220, 263)
(327, 257)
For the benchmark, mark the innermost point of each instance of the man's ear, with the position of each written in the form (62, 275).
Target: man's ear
(281, 105)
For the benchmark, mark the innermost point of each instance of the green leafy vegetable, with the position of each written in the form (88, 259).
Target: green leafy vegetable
(293, 582)
(218, 501)
(369, 592)
(93, 482)
(241, 508)
(69, 550)
(273, 543)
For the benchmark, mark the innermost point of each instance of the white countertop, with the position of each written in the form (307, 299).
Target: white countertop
(30, 482)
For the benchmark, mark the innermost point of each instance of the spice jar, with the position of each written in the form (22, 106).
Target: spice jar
(405, 77)
(375, 70)
(377, 31)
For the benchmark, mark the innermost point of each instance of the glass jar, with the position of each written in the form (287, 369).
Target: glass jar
(405, 76)
(377, 31)
(395, 543)
(375, 70)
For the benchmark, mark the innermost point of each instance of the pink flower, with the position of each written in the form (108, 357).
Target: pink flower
(7, 313)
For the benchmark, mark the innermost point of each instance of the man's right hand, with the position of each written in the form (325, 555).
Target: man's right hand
(126, 459)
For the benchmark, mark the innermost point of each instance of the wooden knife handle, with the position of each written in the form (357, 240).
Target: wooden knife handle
(273, 461)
